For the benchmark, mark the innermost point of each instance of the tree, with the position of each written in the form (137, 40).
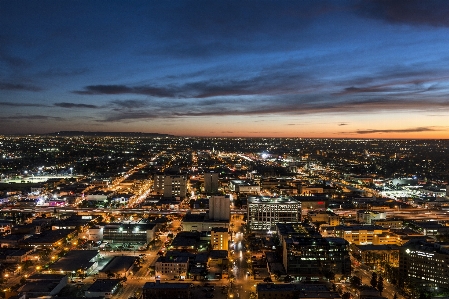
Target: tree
(373, 281)
(288, 279)
(380, 284)
(355, 281)
(346, 295)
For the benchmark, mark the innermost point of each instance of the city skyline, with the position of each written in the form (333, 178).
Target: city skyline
(352, 69)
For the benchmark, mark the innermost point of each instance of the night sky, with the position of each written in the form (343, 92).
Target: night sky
(338, 69)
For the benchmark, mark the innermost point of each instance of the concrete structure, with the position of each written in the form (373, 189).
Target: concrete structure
(201, 223)
(312, 202)
(211, 182)
(424, 265)
(364, 216)
(326, 217)
(359, 234)
(103, 288)
(43, 285)
(139, 233)
(265, 212)
(76, 263)
(316, 257)
(244, 187)
(389, 223)
(157, 290)
(220, 208)
(219, 238)
(172, 267)
(120, 266)
(309, 190)
(170, 185)
(14, 255)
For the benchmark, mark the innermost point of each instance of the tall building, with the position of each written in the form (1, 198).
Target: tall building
(170, 185)
(211, 182)
(424, 265)
(265, 212)
(219, 237)
(219, 208)
(316, 257)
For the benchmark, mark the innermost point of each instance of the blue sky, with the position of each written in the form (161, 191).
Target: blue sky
(363, 69)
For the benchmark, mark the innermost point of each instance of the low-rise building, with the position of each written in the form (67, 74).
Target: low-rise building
(244, 186)
(172, 267)
(76, 263)
(201, 222)
(326, 217)
(219, 238)
(388, 223)
(43, 285)
(103, 288)
(140, 233)
(359, 234)
(364, 216)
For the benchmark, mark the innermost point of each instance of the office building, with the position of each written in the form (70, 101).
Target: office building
(220, 208)
(265, 212)
(316, 257)
(211, 182)
(424, 265)
(170, 185)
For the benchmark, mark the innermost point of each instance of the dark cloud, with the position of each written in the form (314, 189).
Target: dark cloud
(17, 104)
(123, 89)
(31, 117)
(74, 105)
(414, 12)
(18, 86)
(412, 130)
(57, 72)
(272, 105)
(127, 116)
(267, 83)
(343, 124)
(130, 104)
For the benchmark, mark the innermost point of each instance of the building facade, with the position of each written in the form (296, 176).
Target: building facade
(129, 233)
(220, 208)
(265, 212)
(316, 257)
(219, 238)
(172, 267)
(424, 265)
(359, 234)
(211, 182)
(170, 185)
